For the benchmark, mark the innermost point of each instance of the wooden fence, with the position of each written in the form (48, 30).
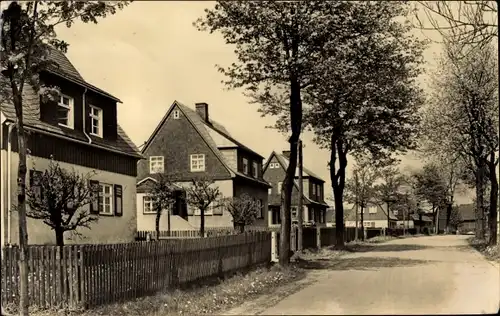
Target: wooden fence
(92, 275)
(209, 232)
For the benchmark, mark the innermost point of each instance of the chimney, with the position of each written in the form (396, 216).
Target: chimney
(202, 110)
(286, 153)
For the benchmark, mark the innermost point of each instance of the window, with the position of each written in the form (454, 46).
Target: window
(294, 212)
(372, 209)
(318, 194)
(313, 189)
(394, 211)
(156, 164)
(270, 191)
(208, 211)
(148, 205)
(245, 165)
(65, 111)
(176, 114)
(95, 121)
(106, 199)
(274, 165)
(280, 185)
(197, 162)
(255, 170)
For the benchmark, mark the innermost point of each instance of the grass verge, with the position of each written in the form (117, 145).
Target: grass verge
(200, 299)
(490, 252)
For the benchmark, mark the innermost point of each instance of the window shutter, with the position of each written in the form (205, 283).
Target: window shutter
(118, 200)
(95, 192)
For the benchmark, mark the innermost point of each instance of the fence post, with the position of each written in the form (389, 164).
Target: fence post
(318, 237)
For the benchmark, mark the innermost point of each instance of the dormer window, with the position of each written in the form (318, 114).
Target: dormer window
(245, 165)
(176, 114)
(65, 109)
(95, 121)
(255, 169)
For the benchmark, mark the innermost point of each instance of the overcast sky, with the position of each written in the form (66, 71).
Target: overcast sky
(149, 55)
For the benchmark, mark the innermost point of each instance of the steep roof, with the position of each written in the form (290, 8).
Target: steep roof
(351, 213)
(199, 125)
(276, 199)
(284, 163)
(31, 114)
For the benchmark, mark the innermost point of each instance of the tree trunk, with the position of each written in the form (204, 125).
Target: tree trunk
(21, 210)
(240, 227)
(300, 213)
(157, 224)
(202, 223)
(362, 223)
(493, 216)
(59, 237)
(338, 183)
(286, 195)
(480, 203)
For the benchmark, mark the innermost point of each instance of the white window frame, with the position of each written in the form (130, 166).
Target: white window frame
(260, 211)
(292, 210)
(269, 191)
(199, 159)
(280, 185)
(70, 107)
(147, 200)
(98, 118)
(176, 114)
(255, 170)
(103, 195)
(372, 210)
(159, 161)
(208, 212)
(245, 165)
(314, 189)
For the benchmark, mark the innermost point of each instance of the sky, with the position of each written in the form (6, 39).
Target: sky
(150, 54)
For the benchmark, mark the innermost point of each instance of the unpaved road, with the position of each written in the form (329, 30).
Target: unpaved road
(424, 275)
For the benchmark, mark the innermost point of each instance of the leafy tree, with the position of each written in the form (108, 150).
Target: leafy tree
(278, 44)
(467, 24)
(244, 210)
(26, 30)
(360, 190)
(162, 194)
(463, 114)
(367, 100)
(388, 191)
(59, 198)
(202, 194)
(431, 186)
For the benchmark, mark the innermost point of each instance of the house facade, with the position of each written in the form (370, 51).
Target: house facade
(188, 144)
(79, 131)
(314, 206)
(374, 216)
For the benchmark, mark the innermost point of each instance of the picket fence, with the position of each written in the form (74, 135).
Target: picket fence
(84, 276)
(209, 232)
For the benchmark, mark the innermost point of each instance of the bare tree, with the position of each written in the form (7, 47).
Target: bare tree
(360, 190)
(162, 195)
(244, 210)
(202, 194)
(59, 198)
(465, 23)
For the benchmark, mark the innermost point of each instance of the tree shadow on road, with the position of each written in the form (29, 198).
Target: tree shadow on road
(359, 263)
(384, 248)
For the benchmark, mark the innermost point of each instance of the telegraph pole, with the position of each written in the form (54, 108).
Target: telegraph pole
(300, 213)
(356, 203)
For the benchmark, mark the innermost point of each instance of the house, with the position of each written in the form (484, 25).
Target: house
(80, 131)
(421, 222)
(189, 144)
(468, 216)
(314, 206)
(374, 216)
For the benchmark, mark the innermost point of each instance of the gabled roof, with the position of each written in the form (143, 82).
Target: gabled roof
(351, 213)
(284, 163)
(199, 125)
(425, 218)
(467, 211)
(31, 107)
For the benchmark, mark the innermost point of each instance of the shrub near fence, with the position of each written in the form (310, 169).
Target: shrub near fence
(102, 274)
(209, 232)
